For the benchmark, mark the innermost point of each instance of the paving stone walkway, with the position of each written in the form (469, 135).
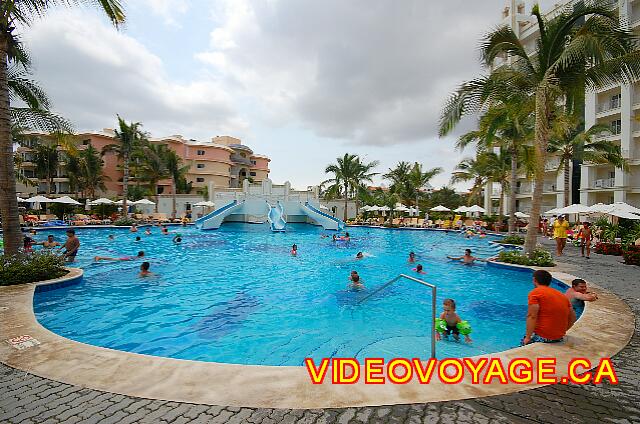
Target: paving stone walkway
(25, 398)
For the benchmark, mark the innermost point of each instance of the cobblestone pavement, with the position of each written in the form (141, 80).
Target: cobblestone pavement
(25, 398)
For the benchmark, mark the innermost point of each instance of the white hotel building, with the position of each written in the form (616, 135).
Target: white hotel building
(617, 107)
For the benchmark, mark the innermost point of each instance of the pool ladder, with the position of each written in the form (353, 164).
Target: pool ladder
(433, 304)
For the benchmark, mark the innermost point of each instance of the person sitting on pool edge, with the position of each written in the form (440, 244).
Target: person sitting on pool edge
(144, 270)
(467, 259)
(418, 269)
(140, 255)
(452, 319)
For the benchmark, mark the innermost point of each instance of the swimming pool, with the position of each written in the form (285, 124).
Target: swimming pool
(236, 295)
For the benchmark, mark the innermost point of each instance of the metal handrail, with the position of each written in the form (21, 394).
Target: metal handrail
(433, 304)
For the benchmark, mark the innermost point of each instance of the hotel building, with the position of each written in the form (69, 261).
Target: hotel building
(222, 162)
(617, 107)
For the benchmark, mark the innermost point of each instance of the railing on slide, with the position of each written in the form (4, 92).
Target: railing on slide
(210, 215)
(326, 215)
(433, 304)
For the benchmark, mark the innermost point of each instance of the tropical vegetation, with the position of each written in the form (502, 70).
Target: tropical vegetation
(584, 46)
(29, 268)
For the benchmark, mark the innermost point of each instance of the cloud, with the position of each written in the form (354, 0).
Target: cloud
(168, 10)
(93, 72)
(376, 73)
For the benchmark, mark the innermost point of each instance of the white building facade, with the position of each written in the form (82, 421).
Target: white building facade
(616, 107)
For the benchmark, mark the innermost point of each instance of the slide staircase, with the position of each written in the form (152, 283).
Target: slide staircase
(327, 221)
(276, 217)
(213, 220)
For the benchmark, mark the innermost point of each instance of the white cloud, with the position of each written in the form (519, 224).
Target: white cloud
(93, 72)
(169, 10)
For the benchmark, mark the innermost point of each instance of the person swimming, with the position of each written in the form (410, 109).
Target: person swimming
(412, 257)
(138, 238)
(111, 237)
(165, 230)
(467, 258)
(134, 228)
(334, 238)
(147, 231)
(140, 255)
(144, 270)
(355, 283)
(359, 255)
(418, 269)
(177, 239)
(294, 250)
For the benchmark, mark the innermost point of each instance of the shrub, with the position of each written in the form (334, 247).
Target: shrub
(539, 257)
(608, 249)
(23, 268)
(125, 222)
(512, 239)
(632, 255)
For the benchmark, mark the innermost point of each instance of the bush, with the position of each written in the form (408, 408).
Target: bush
(539, 257)
(608, 249)
(512, 239)
(125, 222)
(23, 268)
(631, 255)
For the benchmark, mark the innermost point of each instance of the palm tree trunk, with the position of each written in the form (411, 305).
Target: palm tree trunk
(173, 190)
(567, 181)
(500, 209)
(155, 196)
(125, 183)
(346, 201)
(8, 197)
(541, 140)
(512, 189)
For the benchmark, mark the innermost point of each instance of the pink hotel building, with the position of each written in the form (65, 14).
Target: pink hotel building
(222, 162)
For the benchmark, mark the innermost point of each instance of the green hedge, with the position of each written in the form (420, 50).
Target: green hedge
(539, 257)
(512, 239)
(23, 268)
(125, 222)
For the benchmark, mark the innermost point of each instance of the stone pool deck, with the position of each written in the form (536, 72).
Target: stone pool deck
(26, 398)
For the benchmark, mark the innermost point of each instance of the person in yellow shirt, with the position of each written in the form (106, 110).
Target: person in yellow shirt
(560, 227)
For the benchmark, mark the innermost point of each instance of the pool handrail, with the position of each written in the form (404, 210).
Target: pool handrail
(433, 304)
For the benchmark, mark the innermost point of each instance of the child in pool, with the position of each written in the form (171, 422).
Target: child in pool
(294, 250)
(412, 257)
(452, 319)
(418, 269)
(147, 231)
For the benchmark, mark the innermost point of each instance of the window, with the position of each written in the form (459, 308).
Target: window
(160, 190)
(253, 174)
(253, 162)
(616, 126)
(200, 166)
(200, 179)
(200, 152)
(86, 142)
(614, 101)
(243, 173)
(187, 206)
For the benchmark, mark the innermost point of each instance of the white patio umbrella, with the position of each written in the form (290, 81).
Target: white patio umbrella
(576, 208)
(476, 208)
(461, 209)
(599, 208)
(365, 208)
(621, 206)
(323, 207)
(142, 202)
(401, 208)
(38, 199)
(414, 211)
(440, 208)
(624, 214)
(553, 211)
(66, 200)
(521, 215)
(21, 200)
(102, 201)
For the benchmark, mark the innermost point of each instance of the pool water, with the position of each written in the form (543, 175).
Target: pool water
(236, 295)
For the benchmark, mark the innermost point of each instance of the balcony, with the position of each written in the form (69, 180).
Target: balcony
(552, 164)
(605, 108)
(236, 158)
(604, 183)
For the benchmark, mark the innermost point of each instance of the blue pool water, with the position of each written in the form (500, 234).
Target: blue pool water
(236, 295)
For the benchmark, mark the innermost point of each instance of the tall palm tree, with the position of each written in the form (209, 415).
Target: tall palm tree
(91, 166)
(418, 178)
(177, 172)
(154, 167)
(569, 141)
(47, 159)
(472, 169)
(21, 14)
(583, 46)
(349, 174)
(129, 138)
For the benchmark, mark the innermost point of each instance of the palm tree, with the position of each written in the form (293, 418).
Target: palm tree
(419, 179)
(21, 14)
(349, 175)
(400, 185)
(569, 141)
(47, 160)
(583, 46)
(177, 172)
(472, 170)
(91, 165)
(154, 167)
(129, 137)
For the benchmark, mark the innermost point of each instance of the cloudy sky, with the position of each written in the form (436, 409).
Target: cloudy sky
(301, 81)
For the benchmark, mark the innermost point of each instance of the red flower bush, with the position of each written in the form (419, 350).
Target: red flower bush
(632, 255)
(609, 249)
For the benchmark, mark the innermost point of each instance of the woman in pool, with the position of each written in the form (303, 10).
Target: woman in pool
(133, 229)
(165, 231)
(294, 250)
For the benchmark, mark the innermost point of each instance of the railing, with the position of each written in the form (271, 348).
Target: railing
(239, 159)
(604, 183)
(433, 304)
(606, 107)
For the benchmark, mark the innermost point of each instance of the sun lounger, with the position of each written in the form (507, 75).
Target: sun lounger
(160, 217)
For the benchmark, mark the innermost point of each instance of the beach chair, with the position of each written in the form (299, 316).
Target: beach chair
(446, 224)
(160, 217)
(469, 222)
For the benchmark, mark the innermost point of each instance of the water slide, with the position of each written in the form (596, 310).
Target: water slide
(327, 221)
(276, 217)
(213, 220)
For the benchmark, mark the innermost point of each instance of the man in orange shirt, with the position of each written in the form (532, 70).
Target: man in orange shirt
(550, 314)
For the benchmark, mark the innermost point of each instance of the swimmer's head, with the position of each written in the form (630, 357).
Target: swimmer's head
(145, 266)
(418, 267)
(178, 240)
(359, 255)
(294, 247)
(138, 238)
(467, 251)
(111, 236)
(412, 254)
(449, 304)
(355, 278)
(50, 238)
(346, 234)
(579, 285)
(141, 254)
